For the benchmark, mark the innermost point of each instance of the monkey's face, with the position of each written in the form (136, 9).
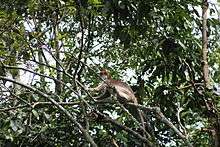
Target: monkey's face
(104, 75)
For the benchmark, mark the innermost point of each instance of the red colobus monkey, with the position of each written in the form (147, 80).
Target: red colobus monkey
(124, 92)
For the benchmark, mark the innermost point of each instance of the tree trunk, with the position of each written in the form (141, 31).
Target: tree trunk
(216, 123)
(205, 44)
(58, 86)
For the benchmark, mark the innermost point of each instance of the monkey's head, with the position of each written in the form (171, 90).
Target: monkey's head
(104, 74)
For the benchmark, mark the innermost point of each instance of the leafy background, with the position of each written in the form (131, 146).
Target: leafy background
(57, 47)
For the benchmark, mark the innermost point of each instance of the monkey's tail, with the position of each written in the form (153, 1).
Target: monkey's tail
(145, 133)
(149, 133)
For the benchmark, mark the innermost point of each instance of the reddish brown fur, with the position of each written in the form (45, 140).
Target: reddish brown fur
(121, 83)
(115, 82)
(105, 72)
(118, 84)
(123, 90)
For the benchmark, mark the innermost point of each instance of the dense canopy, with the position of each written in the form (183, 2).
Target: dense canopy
(51, 52)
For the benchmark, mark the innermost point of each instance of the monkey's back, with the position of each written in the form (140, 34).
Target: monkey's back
(122, 89)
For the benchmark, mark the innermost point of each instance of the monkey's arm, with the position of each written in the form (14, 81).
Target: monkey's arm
(100, 87)
(103, 90)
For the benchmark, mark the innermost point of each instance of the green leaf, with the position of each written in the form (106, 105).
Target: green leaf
(35, 114)
(95, 2)
(13, 125)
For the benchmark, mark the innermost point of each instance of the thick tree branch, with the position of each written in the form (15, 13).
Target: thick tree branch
(162, 118)
(61, 108)
(38, 104)
(132, 117)
(127, 129)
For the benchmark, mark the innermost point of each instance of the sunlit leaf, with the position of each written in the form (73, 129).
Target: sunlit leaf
(35, 114)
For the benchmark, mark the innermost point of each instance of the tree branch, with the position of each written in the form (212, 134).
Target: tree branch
(163, 118)
(61, 108)
(125, 128)
(35, 104)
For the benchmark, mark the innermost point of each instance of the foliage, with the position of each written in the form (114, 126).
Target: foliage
(58, 46)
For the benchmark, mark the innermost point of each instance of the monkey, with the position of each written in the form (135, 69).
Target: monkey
(123, 92)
